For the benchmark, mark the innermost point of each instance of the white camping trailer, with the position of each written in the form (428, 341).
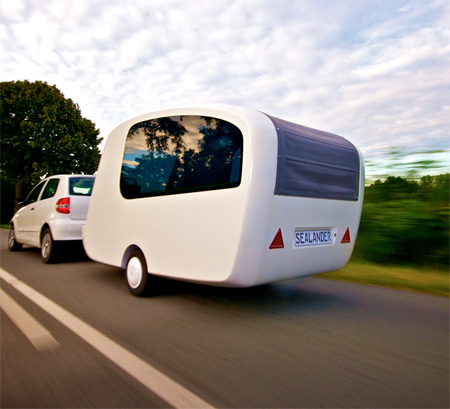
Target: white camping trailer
(223, 195)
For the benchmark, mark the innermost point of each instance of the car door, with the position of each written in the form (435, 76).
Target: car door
(23, 221)
(43, 210)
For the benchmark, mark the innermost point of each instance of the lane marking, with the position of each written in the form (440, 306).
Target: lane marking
(160, 384)
(38, 335)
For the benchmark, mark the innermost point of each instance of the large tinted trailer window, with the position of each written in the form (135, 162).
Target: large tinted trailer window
(181, 154)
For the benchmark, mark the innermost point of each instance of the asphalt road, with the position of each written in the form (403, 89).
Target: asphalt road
(306, 343)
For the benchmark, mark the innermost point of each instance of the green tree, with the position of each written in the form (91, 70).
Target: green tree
(42, 133)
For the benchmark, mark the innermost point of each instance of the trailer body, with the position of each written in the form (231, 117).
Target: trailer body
(226, 196)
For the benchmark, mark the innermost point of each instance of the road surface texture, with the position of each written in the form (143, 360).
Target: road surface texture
(306, 343)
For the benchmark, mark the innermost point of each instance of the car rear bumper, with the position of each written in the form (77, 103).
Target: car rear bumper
(66, 229)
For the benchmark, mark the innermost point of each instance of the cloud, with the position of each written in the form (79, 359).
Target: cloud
(373, 71)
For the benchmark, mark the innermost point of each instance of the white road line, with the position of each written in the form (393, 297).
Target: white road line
(32, 329)
(160, 384)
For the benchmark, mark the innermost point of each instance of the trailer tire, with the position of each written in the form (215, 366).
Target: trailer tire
(138, 278)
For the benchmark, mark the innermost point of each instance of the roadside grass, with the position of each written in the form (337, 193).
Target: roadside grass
(425, 280)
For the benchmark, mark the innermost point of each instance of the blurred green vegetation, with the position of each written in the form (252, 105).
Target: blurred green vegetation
(406, 222)
(403, 239)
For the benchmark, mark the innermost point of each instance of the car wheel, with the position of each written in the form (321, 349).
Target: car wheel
(12, 243)
(138, 279)
(47, 247)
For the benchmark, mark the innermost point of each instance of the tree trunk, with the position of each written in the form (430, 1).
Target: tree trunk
(19, 192)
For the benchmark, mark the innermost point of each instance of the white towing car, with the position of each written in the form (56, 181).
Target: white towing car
(55, 211)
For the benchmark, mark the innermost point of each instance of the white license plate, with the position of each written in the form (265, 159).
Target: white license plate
(312, 237)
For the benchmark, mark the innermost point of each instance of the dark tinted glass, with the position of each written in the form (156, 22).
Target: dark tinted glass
(50, 189)
(181, 154)
(34, 194)
(79, 186)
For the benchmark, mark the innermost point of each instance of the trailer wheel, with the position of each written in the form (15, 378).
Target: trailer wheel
(138, 279)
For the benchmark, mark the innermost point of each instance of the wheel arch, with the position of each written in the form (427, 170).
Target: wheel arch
(13, 244)
(41, 233)
(127, 253)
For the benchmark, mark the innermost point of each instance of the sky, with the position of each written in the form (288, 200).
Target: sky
(374, 71)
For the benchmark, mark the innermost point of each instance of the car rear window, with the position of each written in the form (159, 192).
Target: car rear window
(81, 186)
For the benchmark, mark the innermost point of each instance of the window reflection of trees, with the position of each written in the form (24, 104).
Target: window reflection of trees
(184, 153)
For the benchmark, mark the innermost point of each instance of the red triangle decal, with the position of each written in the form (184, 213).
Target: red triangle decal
(346, 238)
(277, 242)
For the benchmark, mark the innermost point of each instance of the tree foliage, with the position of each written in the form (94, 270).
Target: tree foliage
(406, 222)
(42, 133)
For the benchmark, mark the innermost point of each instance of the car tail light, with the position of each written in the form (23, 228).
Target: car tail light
(63, 205)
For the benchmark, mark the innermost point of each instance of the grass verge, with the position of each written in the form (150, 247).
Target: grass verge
(424, 280)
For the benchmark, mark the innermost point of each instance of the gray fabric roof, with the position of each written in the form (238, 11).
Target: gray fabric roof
(315, 164)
